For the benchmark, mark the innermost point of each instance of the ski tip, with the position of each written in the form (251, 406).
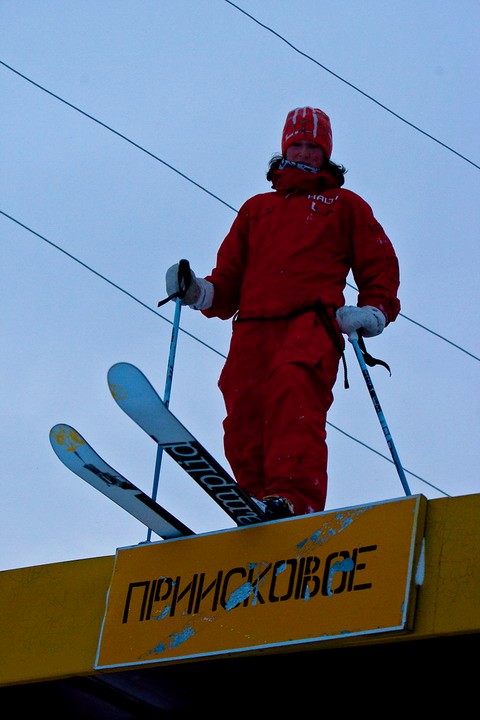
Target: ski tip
(119, 366)
(122, 370)
(65, 437)
(59, 429)
(124, 378)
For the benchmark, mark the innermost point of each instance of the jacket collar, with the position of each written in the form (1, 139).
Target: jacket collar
(294, 178)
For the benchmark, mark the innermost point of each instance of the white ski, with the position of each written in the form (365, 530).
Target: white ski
(140, 401)
(79, 457)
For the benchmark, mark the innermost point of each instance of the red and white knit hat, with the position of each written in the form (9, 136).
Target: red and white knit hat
(308, 123)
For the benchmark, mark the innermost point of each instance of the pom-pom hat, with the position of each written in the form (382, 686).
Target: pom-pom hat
(308, 123)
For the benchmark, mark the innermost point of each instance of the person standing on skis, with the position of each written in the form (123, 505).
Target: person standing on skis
(280, 274)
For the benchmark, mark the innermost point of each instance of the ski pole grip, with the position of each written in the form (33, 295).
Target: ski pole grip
(184, 277)
(353, 336)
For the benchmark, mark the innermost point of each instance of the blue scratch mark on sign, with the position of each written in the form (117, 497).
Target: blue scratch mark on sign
(239, 595)
(326, 532)
(175, 640)
(344, 565)
(315, 539)
(163, 614)
(250, 589)
(161, 647)
(179, 638)
(344, 522)
(346, 518)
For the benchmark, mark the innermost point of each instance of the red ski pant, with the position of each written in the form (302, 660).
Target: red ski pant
(277, 386)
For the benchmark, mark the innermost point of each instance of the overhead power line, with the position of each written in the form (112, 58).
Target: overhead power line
(144, 305)
(154, 156)
(186, 177)
(171, 167)
(108, 127)
(103, 277)
(377, 102)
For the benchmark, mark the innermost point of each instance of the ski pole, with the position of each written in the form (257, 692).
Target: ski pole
(173, 349)
(184, 279)
(353, 338)
(166, 396)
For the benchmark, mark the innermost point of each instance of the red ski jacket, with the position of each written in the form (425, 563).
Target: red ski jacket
(293, 247)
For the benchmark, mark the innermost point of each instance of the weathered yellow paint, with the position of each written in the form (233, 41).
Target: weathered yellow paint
(449, 601)
(51, 615)
(318, 577)
(50, 618)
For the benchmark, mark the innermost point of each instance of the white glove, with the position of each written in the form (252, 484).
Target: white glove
(199, 294)
(370, 320)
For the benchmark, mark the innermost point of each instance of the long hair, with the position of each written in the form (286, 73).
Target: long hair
(338, 171)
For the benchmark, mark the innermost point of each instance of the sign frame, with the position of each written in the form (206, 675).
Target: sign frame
(326, 576)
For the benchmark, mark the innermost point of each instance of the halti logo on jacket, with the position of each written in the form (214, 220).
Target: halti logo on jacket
(322, 198)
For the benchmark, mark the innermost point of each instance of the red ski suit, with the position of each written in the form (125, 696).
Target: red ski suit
(287, 252)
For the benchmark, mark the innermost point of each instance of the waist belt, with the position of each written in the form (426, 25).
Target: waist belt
(333, 331)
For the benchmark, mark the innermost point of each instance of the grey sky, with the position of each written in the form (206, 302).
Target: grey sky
(203, 88)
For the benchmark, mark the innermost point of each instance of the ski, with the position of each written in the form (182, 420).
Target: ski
(79, 457)
(140, 401)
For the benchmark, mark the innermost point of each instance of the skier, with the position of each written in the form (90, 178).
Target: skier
(280, 274)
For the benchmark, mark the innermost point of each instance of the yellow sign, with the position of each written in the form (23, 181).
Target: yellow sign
(296, 581)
